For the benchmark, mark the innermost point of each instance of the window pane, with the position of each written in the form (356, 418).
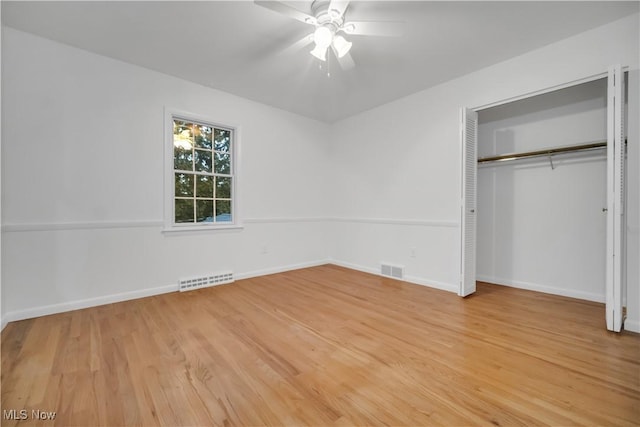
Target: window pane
(203, 160)
(184, 210)
(182, 159)
(182, 134)
(184, 185)
(204, 186)
(223, 163)
(202, 136)
(223, 211)
(223, 188)
(202, 168)
(204, 210)
(222, 140)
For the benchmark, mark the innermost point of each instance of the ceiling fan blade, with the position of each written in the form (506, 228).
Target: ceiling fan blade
(339, 6)
(346, 62)
(297, 46)
(289, 11)
(365, 28)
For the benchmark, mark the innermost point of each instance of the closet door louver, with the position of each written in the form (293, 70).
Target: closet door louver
(468, 212)
(615, 198)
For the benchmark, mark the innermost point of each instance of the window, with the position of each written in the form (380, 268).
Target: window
(202, 174)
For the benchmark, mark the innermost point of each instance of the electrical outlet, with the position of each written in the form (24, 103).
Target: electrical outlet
(264, 249)
(412, 252)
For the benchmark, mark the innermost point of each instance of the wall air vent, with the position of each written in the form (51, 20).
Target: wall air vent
(205, 281)
(390, 270)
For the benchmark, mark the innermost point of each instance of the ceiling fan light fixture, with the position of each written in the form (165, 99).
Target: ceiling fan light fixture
(323, 37)
(341, 45)
(320, 52)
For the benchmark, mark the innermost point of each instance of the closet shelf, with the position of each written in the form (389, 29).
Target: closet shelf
(544, 153)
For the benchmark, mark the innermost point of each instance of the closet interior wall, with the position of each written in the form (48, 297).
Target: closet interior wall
(539, 227)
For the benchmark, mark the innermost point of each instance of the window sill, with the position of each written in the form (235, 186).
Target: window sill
(202, 229)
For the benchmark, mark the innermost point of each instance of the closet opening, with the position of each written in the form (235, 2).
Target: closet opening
(537, 187)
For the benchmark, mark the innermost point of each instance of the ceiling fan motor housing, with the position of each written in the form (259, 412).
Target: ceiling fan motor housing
(331, 19)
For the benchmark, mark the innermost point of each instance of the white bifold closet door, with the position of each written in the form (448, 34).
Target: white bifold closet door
(615, 198)
(615, 251)
(469, 141)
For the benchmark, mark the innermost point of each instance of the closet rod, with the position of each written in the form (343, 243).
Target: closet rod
(547, 152)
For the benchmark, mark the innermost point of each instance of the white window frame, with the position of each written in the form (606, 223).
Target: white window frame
(169, 177)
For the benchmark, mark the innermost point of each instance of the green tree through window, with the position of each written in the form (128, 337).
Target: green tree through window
(203, 172)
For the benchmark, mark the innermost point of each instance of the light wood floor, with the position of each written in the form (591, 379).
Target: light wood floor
(325, 346)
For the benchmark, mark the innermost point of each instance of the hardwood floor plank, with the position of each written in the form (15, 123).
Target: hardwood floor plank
(325, 346)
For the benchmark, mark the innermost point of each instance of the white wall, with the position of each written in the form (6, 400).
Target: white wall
(83, 182)
(2, 319)
(402, 160)
(380, 186)
(541, 228)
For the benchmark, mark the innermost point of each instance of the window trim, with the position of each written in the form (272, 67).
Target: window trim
(169, 185)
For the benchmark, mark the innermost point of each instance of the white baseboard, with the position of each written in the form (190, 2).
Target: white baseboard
(632, 325)
(411, 279)
(275, 270)
(46, 310)
(354, 267)
(432, 284)
(571, 293)
(125, 296)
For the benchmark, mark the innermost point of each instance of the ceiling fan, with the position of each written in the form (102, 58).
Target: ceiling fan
(331, 27)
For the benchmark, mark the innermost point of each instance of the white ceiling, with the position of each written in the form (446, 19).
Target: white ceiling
(234, 46)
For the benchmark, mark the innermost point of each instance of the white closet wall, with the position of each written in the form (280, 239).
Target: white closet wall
(541, 228)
